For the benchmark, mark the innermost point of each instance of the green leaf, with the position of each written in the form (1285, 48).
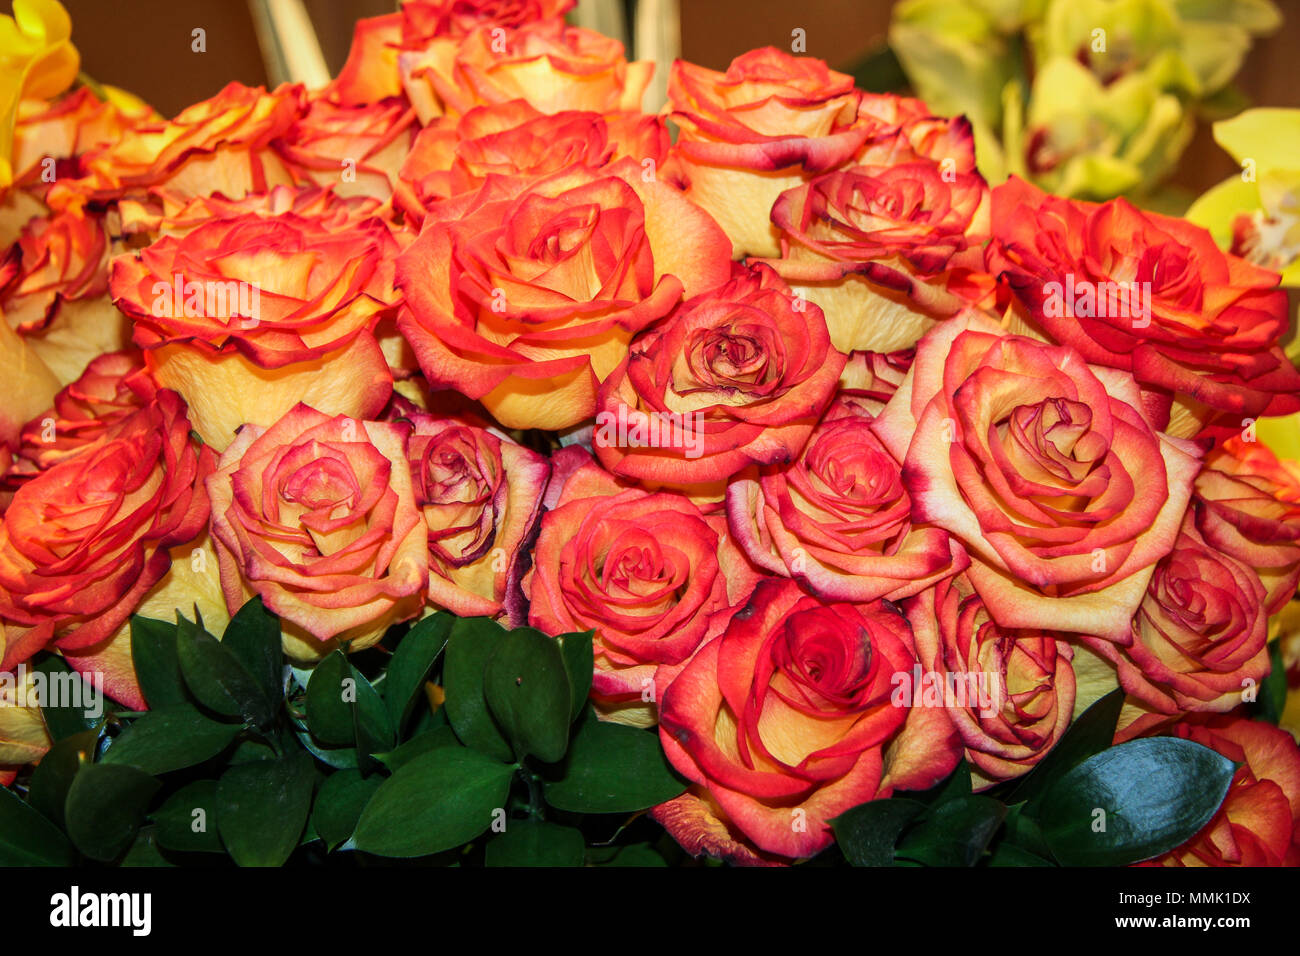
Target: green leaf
(1133, 802)
(253, 636)
(165, 740)
(339, 803)
(411, 664)
(528, 693)
(329, 709)
(439, 800)
(1008, 854)
(216, 678)
(956, 785)
(611, 768)
(954, 833)
(187, 820)
(370, 721)
(422, 743)
(1272, 690)
(634, 854)
(27, 838)
(64, 685)
(157, 667)
(105, 807)
(48, 789)
(1090, 734)
(145, 851)
(262, 808)
(340, 758)
(866, 834)
(579, 660)
(472, 641)
(535, 843)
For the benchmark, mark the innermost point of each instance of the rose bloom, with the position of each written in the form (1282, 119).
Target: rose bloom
(65, 128)
(1258, 823)
(651, 574)
(910, 134)
(1012, 692)
(734, 377)
(371, 74)
(248, 316)
(54, 291)
(549, 64)
(785, 721)
(218, 145)
(1247, 505)
(113, 387)
(30, 386)
(480, 494)
(1046, 469)
(84, 540)
(885, 250)
(160, 213)
(450, 156)
(1211, 335)
(769, 123)
(838, 518)
(525, 294)
(1200, 634)
(358, 150)
(317, 515)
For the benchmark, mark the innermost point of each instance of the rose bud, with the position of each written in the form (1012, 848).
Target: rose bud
(525, 294)
(1247, 505)
(513, 139)
(549, 64)
(1258, 823)
(770, 123)
(247, 317)
(886, 250)
(1199, 638)
(1151, 295)
(480, 494)
(54, 291)
(734, 377)
(651, 574)
(317, 515)
(83, 541)
(1011, 694)
(838, 518)
(358, 150)
(787, 720)
(219, 145)
(1045, 468)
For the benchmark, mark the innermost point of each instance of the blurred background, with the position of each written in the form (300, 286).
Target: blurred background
(145, 47)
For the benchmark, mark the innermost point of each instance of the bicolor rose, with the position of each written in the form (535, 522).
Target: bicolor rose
(317, 515)
(357, 150)
(735, 377)
(1045, 468)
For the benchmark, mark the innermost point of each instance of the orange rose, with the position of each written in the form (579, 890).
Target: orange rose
(64, 129)
(222, 144)
(1181, 315)
(649, 573)
(551, 65)
(513, 139)
(1247, 505)
(83, 541)
(1199, 638)
(480, 494)
(160, 213)
(1258, 823)
(317, 515)
(246, 317)
(838, 518)
(1046, 469)
(358, 150)
(885, 250)
(1012, 692)
(54, 291)
(525, 294)
(736, 376)
(785, 721)
(769, 123)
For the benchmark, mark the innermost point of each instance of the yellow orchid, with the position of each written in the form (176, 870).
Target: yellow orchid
(37, 60)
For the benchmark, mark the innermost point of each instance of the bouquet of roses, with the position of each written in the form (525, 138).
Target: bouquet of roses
(753, 464)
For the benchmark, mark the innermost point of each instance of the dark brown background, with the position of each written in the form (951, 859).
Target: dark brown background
(144, 46)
